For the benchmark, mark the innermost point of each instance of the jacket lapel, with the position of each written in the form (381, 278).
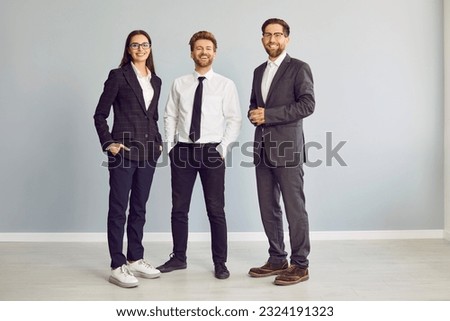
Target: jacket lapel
(132, 80)
(278, 75)
(155, 98)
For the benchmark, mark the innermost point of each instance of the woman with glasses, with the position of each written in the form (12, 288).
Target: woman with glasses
(133, 146)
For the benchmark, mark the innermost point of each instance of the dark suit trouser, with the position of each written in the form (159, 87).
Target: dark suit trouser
(288, 182)
(186, 162)
(130, 182)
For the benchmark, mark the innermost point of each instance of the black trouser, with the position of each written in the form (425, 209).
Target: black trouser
(127, 176)
(186, 161)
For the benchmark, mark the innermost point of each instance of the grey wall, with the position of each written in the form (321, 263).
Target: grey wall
(447, 118)
(378, 68)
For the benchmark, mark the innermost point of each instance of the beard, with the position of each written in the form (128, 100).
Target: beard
(203, 63)
(274, 52)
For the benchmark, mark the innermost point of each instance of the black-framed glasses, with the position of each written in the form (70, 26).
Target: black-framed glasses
(135, 45)
(269, 35)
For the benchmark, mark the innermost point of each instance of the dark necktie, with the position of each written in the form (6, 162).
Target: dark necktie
(194, 132)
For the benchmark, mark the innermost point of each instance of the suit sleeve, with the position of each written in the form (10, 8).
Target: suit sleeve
(303, 104)
(253, 103)
(103, 110)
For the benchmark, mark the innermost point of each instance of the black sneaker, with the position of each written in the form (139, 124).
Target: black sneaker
(220, 271)
(172, 265)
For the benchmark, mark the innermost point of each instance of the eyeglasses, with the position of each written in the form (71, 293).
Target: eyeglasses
(269, 35)
(135, 45)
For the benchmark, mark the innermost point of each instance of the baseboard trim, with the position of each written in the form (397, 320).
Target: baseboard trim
(447, 235)
(232, 236)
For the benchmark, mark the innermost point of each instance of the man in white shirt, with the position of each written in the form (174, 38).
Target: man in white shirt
(202, 118)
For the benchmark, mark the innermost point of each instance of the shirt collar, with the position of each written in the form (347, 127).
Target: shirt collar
(208, 75)
(279, 60)
(138, 74)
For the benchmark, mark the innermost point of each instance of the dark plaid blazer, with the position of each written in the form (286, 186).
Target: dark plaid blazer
(134, 125)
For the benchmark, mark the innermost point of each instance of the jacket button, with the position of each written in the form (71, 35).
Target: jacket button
(146, 135)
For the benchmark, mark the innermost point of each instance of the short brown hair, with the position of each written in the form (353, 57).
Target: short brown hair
(202, 35)
(286, 28)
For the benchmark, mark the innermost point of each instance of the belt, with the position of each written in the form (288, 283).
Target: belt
(197, 145)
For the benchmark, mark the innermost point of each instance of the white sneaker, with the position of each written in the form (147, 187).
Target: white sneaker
(123, 277)
(143, 269)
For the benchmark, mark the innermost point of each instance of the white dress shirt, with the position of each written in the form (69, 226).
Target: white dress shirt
(144, 81)
(221, 114)
(269, 73)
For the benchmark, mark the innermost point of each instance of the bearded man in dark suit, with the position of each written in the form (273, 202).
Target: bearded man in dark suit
(282, 96)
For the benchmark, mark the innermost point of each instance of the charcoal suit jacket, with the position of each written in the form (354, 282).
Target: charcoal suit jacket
(289, 100)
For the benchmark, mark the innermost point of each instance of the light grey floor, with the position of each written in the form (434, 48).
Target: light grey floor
(340, 270)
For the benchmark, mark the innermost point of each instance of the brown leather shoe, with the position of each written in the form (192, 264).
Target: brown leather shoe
(294, 274)
(268, 269)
